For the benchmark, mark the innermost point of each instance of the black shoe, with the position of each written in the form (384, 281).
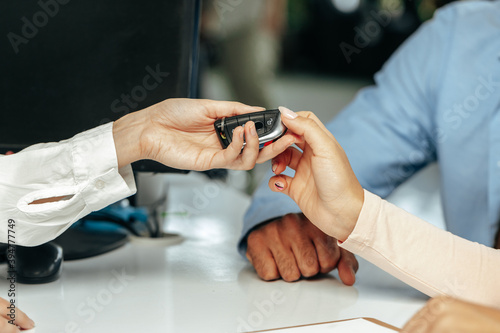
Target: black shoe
(39, 264)
(3, 253)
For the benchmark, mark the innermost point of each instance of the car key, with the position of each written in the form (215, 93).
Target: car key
(267, 124)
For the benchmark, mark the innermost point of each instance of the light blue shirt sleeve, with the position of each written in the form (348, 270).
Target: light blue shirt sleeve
(387, 131)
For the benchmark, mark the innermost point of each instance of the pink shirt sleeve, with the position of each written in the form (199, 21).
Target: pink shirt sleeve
(425, 257)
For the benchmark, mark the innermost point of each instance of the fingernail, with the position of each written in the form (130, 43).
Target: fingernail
(274, 167)
(32, 323)
(279, 185)
(287, 112)
(253, 132)
(241, 133)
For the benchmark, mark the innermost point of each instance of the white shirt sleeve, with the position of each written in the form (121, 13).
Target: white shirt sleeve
(427, 258)
(84, 169)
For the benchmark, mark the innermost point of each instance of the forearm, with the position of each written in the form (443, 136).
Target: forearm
(81, 172)
(127, 138)
(429, 259)
(128, 132)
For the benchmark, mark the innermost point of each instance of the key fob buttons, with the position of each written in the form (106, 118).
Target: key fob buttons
(267, 124)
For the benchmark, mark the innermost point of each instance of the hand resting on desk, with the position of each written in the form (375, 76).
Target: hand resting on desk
(291, 247)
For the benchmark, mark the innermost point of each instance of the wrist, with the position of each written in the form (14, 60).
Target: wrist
(350, 215)
(128, 136)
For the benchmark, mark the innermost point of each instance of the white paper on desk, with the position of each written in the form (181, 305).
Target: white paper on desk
(348, 326)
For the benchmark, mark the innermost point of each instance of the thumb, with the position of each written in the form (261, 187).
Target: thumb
(280, 183)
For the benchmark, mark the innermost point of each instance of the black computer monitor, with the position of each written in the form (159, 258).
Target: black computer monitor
(67, 66)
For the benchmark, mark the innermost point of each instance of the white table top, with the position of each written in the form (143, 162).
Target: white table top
(201, 284)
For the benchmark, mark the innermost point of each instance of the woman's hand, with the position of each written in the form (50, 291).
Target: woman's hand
(448, 315)
(324, 185)
(180, 133)
(20, 319)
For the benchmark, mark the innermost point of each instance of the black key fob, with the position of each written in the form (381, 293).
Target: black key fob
(267, 123)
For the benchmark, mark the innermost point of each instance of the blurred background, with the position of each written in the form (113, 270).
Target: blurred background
(304, 54)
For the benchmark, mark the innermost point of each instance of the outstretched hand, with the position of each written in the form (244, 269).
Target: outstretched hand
(180, 133)
(324, 185)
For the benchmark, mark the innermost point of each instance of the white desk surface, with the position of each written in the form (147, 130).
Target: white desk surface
(202, 284)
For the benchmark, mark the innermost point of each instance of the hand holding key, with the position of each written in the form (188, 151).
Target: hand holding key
(180, 133)
(324, 185)
(267, 124)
